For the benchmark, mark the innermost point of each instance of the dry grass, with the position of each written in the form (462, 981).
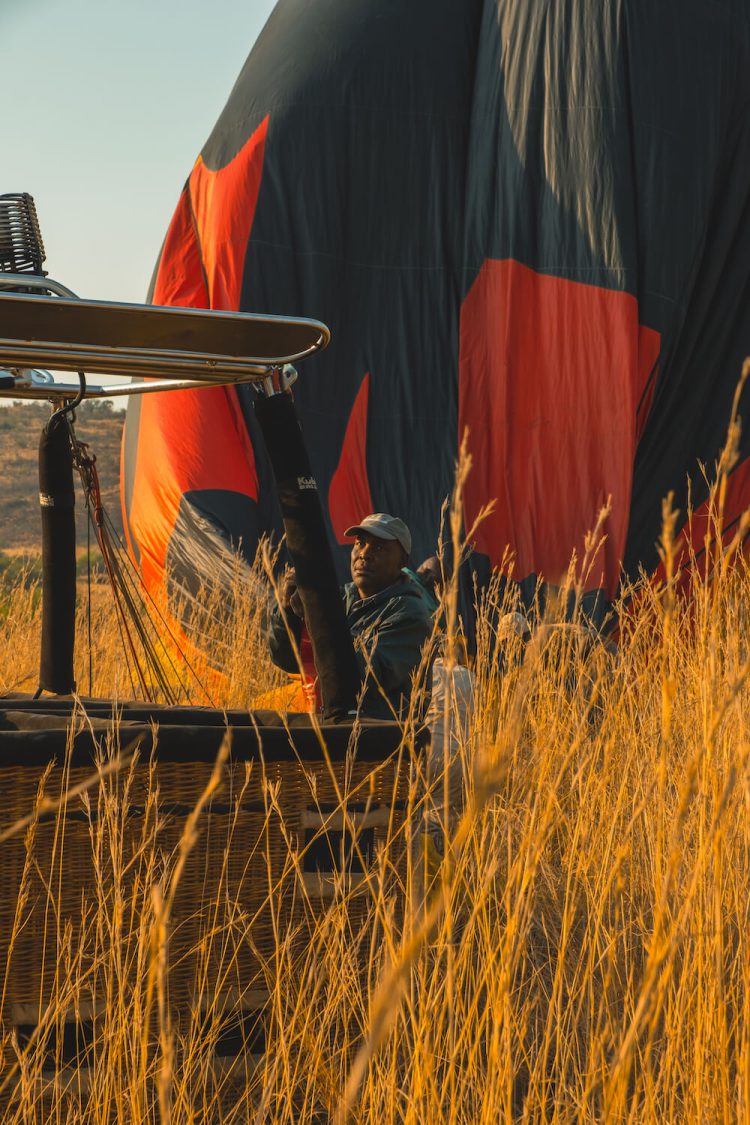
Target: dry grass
(221, 659)
(583, 953)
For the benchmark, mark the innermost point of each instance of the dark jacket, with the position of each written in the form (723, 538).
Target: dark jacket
(390, 627)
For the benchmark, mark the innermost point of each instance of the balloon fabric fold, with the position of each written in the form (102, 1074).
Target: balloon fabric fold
(528, 222)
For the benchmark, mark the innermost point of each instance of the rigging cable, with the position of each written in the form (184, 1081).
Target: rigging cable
(134, 618)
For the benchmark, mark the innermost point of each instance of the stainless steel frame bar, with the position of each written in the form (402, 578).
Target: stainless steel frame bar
(174, 348)
(25, 388)
(16, 281)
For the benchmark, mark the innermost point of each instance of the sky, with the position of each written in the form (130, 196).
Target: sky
(107, 106)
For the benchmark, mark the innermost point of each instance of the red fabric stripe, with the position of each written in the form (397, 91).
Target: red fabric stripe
(180, 279)
(550, 376)
(691, 539)
(197, 440)
(224, 204)
(349, 498)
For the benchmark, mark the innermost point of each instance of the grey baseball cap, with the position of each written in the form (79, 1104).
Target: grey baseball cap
(383, 526)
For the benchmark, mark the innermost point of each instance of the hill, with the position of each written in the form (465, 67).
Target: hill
(97, 424)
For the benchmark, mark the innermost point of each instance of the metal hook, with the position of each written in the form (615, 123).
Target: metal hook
(69, 407)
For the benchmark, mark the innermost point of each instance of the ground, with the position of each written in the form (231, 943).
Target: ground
(20, 427)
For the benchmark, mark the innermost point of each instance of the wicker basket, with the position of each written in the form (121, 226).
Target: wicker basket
(285, 837)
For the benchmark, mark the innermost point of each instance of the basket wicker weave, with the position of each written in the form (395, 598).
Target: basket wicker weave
(275, 845)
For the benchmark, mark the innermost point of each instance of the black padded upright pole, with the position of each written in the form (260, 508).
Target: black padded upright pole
(310, 552)
(57, 501)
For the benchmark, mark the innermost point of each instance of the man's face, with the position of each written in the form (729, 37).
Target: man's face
(376, 563)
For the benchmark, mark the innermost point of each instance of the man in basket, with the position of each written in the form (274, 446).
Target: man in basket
(388, 609)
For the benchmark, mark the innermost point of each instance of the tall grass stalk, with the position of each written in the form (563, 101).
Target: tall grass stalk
(584, 953)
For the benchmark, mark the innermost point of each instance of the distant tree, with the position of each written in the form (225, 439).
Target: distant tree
(97, 408)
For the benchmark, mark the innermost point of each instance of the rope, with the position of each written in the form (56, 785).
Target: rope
(90, 480)
(130, 577)
(88, 599)
(151, 667)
